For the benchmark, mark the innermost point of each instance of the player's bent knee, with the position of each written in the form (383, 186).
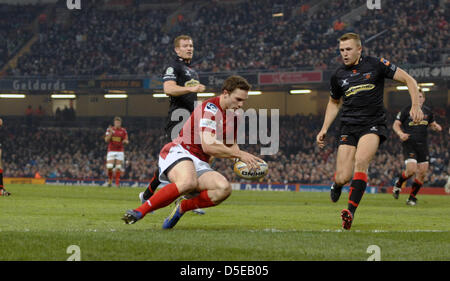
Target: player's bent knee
(187, 185)
(225, 188)
(109, 166)
(221, 192)
(342, 178)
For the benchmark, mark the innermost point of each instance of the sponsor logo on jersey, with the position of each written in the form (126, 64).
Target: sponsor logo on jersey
(367, 75)
(374, 129)
(423, 122)
(208, 123)
(169, 70)
(191, 83)
(169, 73)
(385, 61)
(354, 73)
(344, 138)
(210, 107)
(116, 139)
(360, 88)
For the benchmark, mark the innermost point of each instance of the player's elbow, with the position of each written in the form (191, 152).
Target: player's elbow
(395, 125)
(208, 149)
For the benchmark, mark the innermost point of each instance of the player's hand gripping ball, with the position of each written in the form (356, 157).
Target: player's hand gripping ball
(241, 169)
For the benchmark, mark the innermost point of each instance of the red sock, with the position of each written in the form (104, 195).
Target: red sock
(200, 201)
(117, 177)
(160, 199)
(110, 174)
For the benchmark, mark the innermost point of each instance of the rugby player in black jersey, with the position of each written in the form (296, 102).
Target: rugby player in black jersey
(181, 84)
(360, 84)
(414, 137)
(3, 192)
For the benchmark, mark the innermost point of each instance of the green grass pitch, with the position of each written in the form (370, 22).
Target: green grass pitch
(39, 222)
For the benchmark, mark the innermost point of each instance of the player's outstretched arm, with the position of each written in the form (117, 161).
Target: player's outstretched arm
(403, 77)
(172, 89)
(330, 114)
(215, 148)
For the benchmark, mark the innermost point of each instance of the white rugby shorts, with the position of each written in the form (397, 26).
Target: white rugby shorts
(115, 155)
(176, 154)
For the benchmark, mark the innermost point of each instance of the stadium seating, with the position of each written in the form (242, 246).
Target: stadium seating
(236, 36)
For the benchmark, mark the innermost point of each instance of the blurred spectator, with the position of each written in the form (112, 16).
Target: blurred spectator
(29, 116)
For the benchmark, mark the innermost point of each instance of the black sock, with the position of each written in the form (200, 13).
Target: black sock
(415, 188)
(357, 189)
(151, 188)
(337, 186)
(1, 178)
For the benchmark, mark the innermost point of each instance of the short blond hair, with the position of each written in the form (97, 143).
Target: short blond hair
(350, 35)
(177, 40)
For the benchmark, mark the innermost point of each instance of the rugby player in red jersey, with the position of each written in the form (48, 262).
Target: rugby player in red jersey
(183, 163)
(116, 136)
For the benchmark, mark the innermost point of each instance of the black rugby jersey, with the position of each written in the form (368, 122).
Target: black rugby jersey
(362, 87)
(180, 72)
(418, 132)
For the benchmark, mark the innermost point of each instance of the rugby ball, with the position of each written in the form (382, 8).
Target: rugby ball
(241, 169)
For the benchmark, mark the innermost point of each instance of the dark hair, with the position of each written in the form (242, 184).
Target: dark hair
(235, 82)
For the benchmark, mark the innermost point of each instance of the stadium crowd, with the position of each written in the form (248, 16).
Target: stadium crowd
(232, 36)
(15, 29)
(62, 152)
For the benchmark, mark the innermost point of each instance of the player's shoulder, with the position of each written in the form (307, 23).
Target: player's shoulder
(211, 105)
(377, 61)
(371, 59)
(406, 109)
(171, 68)
(339, 73)
(341, 68)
